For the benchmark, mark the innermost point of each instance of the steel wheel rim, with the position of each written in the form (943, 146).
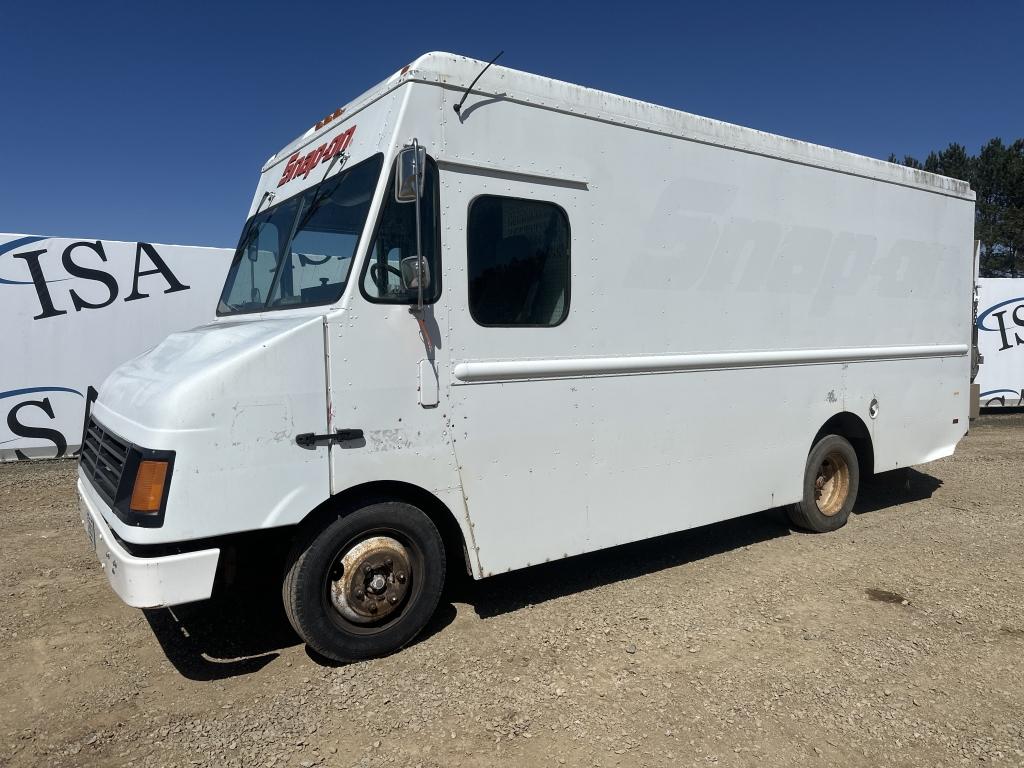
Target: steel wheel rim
(832, 483)
(340, 582)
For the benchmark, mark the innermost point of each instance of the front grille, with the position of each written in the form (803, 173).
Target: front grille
(102, 459)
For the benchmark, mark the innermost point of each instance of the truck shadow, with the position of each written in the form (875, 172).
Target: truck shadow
(238, 635)
(889, 489)
(512, 591)
(242, 633)
(223, 638)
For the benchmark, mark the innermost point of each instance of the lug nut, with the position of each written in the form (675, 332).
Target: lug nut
(367, 569)
(401, 577)
(393, 600)
(389, 562)
(373, 607)
(359, 594)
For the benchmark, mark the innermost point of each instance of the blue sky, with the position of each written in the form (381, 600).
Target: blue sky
(145, 121)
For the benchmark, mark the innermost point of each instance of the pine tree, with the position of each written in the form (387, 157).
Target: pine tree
(996, 174)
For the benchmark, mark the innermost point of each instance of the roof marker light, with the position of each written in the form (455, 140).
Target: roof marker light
(333, 116)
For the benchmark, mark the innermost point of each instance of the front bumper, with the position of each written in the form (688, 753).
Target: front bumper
(146, 582)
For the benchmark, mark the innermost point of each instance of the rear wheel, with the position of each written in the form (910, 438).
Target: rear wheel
(831, 478)
(367, 584)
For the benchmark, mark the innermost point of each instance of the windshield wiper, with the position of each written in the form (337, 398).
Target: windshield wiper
(318, 197)
(285, 256)
(250, 227)
(300, 223)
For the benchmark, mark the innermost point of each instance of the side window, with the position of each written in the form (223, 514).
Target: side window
(518, 262)
(395, 239)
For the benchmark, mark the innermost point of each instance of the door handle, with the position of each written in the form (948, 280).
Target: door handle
(309, 439)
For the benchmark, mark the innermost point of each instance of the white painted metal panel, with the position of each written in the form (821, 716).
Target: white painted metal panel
(725, 304)
(229, 398)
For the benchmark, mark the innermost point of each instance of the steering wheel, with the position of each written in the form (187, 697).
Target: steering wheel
(378, 273)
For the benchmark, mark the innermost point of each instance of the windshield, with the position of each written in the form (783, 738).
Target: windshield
(299, 252)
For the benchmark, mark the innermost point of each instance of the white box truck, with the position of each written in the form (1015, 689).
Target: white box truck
(490, 325)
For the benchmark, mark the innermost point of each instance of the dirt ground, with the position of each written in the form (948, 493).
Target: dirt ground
(898, 640)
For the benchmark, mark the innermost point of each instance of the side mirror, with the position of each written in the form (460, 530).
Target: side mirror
(409, 174)
(410, 269)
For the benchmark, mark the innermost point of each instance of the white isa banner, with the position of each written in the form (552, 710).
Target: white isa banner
(1001, 341)
(72, 310)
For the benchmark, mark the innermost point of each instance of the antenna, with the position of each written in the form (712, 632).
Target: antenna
(458, 107)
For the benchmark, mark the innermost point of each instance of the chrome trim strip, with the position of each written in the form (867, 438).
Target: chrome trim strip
(508, 370)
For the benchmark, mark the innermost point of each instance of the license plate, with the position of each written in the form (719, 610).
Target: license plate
(90, 528)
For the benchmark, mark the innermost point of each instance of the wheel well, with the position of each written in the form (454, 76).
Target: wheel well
(851, 427)
(392, 490)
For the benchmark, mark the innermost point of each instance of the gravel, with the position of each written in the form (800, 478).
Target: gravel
(895, 641)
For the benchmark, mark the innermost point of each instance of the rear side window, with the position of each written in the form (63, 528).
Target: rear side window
(518, 262)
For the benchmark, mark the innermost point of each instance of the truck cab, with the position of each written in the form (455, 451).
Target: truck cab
(314, 392)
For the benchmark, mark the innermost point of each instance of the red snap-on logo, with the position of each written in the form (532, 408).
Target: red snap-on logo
(302, 165)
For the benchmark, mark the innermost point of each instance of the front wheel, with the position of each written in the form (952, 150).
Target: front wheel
(831, 478)
(367, 584)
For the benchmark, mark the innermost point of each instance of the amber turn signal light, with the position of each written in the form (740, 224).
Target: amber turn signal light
(150, 481)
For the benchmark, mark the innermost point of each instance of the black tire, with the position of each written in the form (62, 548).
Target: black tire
(826, 507)
(315, 574)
